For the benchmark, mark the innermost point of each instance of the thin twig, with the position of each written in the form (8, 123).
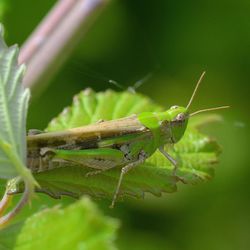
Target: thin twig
(4, 220)
(55, 39)
(5, 202)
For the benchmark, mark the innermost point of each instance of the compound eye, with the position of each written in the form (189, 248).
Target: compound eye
(174, 107)
(180, 117)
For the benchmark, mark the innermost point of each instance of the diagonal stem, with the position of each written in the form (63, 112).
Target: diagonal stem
(4, 220)
(53, 41)
(5, 202)
(44, 30)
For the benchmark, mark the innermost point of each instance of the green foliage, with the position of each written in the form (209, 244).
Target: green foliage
(196, 152)
(89, 107)
(13, 111)
(179, 39)
(80, 226)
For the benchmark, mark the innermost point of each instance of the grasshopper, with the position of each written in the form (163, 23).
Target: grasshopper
(124, 143)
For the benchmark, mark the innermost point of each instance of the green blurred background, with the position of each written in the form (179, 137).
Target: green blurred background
(175, 41)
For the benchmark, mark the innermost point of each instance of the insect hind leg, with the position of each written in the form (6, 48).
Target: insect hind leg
(99, 171)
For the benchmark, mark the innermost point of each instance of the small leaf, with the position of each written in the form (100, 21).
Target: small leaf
(79, 226)
(196, 153)
(13, 111)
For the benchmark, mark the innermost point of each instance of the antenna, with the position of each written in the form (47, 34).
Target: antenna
(138, 83)
(115, 83)
(143, 80)
(195, 90)
(208, 109)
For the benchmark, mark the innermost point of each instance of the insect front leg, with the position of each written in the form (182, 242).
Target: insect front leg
(170, 158)
(141, 159)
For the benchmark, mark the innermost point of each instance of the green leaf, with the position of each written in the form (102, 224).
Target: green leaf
(13, 111)
(196, 152)
(80, 226)
(89, 107)
(8, 235)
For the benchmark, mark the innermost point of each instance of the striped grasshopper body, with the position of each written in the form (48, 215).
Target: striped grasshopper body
(124, 143)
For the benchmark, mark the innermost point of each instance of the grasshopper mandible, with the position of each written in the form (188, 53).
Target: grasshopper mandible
(124, 143)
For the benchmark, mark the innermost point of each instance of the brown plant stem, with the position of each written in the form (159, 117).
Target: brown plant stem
(55, 38)
(40, 34)
(5, 220)
(5, 202)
